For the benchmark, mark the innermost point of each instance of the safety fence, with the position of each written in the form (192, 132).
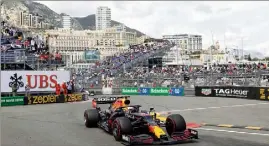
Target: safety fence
(187, 80)
(42, 99)
(257, 93)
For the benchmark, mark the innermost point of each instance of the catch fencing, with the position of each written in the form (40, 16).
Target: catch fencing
(187, 80)
(192, 79)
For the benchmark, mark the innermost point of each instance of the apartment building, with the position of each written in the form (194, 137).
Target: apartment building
(32, 21)
(24, 19)
(66, 22)
(186, 41)
(103, 18)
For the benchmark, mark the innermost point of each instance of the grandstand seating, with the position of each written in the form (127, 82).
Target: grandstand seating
(16, 49)
(116, 64)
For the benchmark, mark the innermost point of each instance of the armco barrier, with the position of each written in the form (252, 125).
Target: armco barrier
(258, 93)
(46, 99)
(159, 91)
(12, 101)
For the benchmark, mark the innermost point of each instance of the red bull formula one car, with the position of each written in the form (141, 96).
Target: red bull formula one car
(132, 126)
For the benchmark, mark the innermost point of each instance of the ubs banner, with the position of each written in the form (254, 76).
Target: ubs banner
(47, 99)
(227, 91)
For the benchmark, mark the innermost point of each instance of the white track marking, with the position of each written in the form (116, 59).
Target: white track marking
(228, 106)
(81, 102)
(229, 131)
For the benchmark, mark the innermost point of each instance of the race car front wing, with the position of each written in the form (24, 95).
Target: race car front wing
(145, 139)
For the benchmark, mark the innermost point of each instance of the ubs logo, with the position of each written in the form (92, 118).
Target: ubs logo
(16, 81)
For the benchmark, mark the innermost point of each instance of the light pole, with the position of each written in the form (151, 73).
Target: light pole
(211, 57)
(242, 47)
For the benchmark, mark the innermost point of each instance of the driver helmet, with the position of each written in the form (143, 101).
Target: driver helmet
(130, 109)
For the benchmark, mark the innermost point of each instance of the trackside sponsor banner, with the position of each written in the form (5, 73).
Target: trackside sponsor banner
(263, 93)
(227, 91)
(159, 91)
(38, 80)
(12, 101)
(129, 91)
(48, 99)
(153, 91)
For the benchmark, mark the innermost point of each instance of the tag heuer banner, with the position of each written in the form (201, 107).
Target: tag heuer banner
(153, 91)
(232, 91)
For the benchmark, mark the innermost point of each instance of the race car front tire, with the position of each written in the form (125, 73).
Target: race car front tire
(175, 123)
(91, 118)
(121, 125)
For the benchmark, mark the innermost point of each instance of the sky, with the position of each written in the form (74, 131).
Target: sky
(228, 22)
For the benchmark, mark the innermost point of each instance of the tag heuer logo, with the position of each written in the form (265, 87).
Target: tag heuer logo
(206, 91)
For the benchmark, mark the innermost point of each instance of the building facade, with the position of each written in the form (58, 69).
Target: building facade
(108, 41)
(188, 42)
(141, 39)
(103, 18)
(66, 22)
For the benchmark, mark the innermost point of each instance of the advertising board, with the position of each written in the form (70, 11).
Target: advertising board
(227, 91)
(92, 55)
(263, 93)
(37, 80)
(159, 91)
(12, 101)
(129, 91)
(48, 99)
(153, 91)
(176, 91)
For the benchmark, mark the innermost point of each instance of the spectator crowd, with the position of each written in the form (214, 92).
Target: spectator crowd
(35, 46)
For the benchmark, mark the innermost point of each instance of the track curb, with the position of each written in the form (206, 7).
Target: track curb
(236, 126)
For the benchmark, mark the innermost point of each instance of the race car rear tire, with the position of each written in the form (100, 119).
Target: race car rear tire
(175, 123)
(91, 118)
(121, 125)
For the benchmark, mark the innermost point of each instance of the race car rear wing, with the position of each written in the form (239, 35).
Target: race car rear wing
(108, 100)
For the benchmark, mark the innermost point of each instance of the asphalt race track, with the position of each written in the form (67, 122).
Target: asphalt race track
(62, 124)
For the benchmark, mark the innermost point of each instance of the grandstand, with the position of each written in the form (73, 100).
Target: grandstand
(114, 66)
(19, 52)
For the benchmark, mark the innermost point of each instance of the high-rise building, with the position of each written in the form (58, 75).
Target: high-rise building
(24, 19)
(35, 21)
(66, 22)
(30, 20)
(103, 18)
